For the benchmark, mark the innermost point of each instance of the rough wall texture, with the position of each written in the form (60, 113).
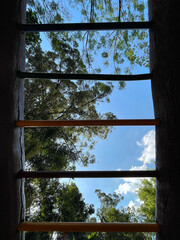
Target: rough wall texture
(11, 105)
(165, 65)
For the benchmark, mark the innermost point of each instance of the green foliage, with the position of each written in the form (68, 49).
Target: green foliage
(147, 194)
(110, 212)
(118, 46)
(107, 44)
(54, 149)
(32, 39)
(105, 55)
(61, 99)
(58, 202)
(108, 200)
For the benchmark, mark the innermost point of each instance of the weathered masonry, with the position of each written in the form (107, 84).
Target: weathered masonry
(11, 102)
(165, 61)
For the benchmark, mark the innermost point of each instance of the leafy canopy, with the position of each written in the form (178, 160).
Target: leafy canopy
(61, 148)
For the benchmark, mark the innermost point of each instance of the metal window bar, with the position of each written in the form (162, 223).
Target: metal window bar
(85, 26)
(71, 123)
(87, 174)
(76, 76)
(87, 227)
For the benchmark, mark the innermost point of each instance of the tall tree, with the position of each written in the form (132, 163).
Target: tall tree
(61, 148)
(110, 212)
(59, 202)
(62, 99)
(147, 194)
(58, 148)
(115, 47)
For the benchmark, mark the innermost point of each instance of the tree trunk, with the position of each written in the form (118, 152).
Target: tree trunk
(165, 65)
(11, 105)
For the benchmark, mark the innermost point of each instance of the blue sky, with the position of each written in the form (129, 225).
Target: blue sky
(125, 145)
(126, 148)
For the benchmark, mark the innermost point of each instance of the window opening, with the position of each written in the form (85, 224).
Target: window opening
(69, 227)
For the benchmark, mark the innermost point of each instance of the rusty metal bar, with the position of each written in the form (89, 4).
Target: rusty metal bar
(87, 227)
(62, 123)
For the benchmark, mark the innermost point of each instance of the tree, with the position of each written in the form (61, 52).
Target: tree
(61, 148)
(110, 212)
(115, 47)
(147, 194)
(66, 99)
(59, 202)
(58, 148)
(62, 99)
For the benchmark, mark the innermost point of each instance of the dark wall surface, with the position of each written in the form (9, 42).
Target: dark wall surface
(11, 105)
(165, 66)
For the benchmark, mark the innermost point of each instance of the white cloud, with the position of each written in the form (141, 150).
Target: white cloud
(142, 167)
(131, 204)
(134, 205)
(125, 188)
(148, 143)
(130, 185)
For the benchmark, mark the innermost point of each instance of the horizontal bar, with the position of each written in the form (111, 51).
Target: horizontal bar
(100, 77)
(86, 174)
(63, 123)
(87, 227)
(84, 26)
